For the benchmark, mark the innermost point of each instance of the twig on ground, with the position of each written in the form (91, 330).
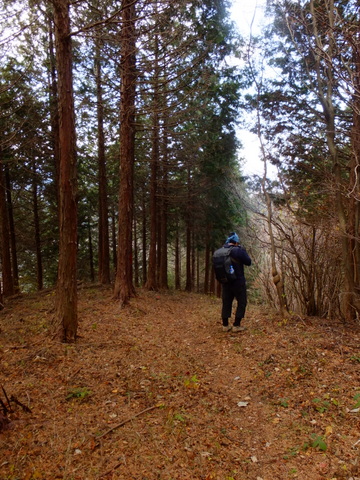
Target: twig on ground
(24, 407)
(110, 471)
(126, 421)
(6, 397)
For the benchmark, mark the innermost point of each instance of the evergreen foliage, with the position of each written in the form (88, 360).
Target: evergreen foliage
(193, 93)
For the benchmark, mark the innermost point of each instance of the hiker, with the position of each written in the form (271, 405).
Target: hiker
(235, 288)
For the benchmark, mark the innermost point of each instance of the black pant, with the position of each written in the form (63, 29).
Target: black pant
(231, 290)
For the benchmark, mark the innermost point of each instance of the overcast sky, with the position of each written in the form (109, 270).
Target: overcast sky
(249, 17)
(248, 14)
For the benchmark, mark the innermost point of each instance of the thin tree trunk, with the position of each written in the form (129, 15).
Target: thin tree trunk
(177, 261)
(1, 298)
(66, 318)
(39, 267)
(136, 257)
(212, 277)
(144, 238)
(197, 270)
(14, 260)
(151, 280)
(91, 252)
(54, 109)
(163, 267)
(7, 277)
(207, 268)
(104, 256)
(189, 284)
(154, 252)
(124, 288)
(113, 239)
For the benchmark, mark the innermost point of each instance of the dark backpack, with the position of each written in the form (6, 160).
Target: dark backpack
(222, 263)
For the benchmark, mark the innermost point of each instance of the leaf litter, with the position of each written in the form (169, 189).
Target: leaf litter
(158, 391)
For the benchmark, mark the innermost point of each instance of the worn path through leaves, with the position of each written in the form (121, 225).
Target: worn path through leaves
(158, 391)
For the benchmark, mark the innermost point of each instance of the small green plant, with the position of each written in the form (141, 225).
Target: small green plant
(179, 417)
(292, 452)
(321, 405)
(283, 402)
(357, 401)
(78, 393)
(191, 382)
(317, 441)
(355, 358)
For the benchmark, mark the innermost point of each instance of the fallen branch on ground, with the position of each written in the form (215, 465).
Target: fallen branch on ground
(126, 421)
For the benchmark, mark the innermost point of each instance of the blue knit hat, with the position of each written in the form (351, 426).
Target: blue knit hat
(233, 238)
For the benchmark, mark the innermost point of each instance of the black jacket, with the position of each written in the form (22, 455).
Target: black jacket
(241, 258)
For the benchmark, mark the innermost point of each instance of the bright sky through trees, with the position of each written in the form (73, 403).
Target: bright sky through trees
(249, 18)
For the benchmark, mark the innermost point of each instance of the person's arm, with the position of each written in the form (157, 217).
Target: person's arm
(240, 254)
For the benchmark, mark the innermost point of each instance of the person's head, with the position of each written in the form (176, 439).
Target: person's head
(233, 239)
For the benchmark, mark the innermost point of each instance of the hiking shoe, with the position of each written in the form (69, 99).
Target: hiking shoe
(226, 328)
(239, 329)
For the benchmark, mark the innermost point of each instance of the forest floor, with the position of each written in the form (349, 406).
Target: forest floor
(159, 391)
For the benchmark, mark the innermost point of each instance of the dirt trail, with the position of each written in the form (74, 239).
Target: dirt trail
(184, 399)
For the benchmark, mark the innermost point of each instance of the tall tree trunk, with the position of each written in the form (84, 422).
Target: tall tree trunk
(198, 270)
(66, 318)
(163, 267)
(91, 252)
(151, 280)
(113, 238)
(212, 277)
(154, 252)
(276, 274)
(124, 288)
(177, 261)
(193, 260)
(189, 284)
(104, 256)
(136, 256)
(54, 109)
(39, 267)
(9, 203)
(144, 238)
(7, 277)
(207, 268)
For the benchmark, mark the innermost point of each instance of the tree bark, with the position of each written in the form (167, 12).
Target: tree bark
(54, 110)
(66, 318)
(124, 288)
(154, 252)
(151, 280)
(7, 276)
(163, 268)
(13, 247)
(39, 267)
(177, 261)
(104, 255)
(144, 237)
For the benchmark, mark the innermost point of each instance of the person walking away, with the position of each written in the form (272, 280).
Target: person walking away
(235, 289)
